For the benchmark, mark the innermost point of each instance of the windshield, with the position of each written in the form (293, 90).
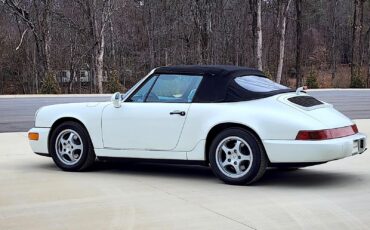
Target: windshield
(136, 85)
(258, 84)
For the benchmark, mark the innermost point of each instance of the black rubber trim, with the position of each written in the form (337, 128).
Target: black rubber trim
(160, 161)
(43, 154)
(200, 162)
(295, 164)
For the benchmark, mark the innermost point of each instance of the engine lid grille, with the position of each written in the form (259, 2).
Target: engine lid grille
(305, 101)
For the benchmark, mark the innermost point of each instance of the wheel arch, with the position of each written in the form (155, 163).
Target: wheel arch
(65, 119)
(215, 130)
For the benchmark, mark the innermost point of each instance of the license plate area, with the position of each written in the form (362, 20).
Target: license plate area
(358, 146)
(355, 147)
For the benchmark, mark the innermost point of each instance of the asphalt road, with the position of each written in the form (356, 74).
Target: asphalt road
(36, 195)
(353, 103)
(17, 114)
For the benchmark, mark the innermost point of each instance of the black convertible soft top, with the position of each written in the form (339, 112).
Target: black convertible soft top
(218, 83)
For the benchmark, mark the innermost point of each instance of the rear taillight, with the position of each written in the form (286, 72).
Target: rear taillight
(354, 128)
(325, 134)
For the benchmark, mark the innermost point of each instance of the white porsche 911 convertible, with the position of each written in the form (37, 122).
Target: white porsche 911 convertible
(232, 118)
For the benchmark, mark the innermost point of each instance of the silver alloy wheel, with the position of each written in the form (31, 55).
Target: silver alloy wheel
(234, 157)
(69, 147)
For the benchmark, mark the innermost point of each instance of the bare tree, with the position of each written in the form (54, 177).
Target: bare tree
(99, 64)
(334, 39)
(298, 60)
(259, 35)
(361, 39)
(99, 18)
(283, 14)
(253, 9)
(256, 10)
(368, 59)
(128, 38)
(356, 39)
(202, 23)
(39, 25)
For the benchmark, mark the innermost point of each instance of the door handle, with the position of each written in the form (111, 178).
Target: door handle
(181, 113)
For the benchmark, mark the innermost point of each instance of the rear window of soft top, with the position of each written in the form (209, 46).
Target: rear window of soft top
(259, 84)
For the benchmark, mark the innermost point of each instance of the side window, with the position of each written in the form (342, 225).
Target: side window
(174, 88)
(142, 93)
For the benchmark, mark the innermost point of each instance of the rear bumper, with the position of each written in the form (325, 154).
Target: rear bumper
(41, 145)
(293, 151)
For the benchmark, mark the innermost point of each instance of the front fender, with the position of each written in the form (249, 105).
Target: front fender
(89, 114)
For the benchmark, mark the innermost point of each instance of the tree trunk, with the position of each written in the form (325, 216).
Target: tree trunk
(2, 84)
(72, 74)
(281, 50)
(72, 62)
(112, 46)
(202, 23)
(91, 12)
(40, 27)
(334, 40)
(368, 59)
(253, 9)
(355, 41)
(35, 70)
(46, 34)
(259, 35)
(360, 36)
(150, 33)
(92, 72)
(42, 36)
(99, 63)
(282, 41)
(204, 33)
(298, 58)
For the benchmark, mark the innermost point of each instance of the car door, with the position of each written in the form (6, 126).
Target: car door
(153, 116)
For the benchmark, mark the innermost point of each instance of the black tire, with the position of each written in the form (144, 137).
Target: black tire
(87, 158)
(259, 162)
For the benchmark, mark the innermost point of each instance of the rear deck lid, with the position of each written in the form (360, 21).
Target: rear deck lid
(317, 109)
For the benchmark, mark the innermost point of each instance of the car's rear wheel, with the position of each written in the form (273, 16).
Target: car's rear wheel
(70, 147)
(237, 157)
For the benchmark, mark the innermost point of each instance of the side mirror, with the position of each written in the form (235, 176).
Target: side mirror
(116, 99)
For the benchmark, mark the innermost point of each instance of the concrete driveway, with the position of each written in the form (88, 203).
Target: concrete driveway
(34, 194)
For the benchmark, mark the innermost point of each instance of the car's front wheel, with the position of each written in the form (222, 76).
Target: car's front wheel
(237, 157)
(70, 147)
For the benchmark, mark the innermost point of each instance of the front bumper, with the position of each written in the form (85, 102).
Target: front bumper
(293, 151)
(40, 146)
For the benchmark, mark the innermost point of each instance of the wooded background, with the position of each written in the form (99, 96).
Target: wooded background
(321, 43)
